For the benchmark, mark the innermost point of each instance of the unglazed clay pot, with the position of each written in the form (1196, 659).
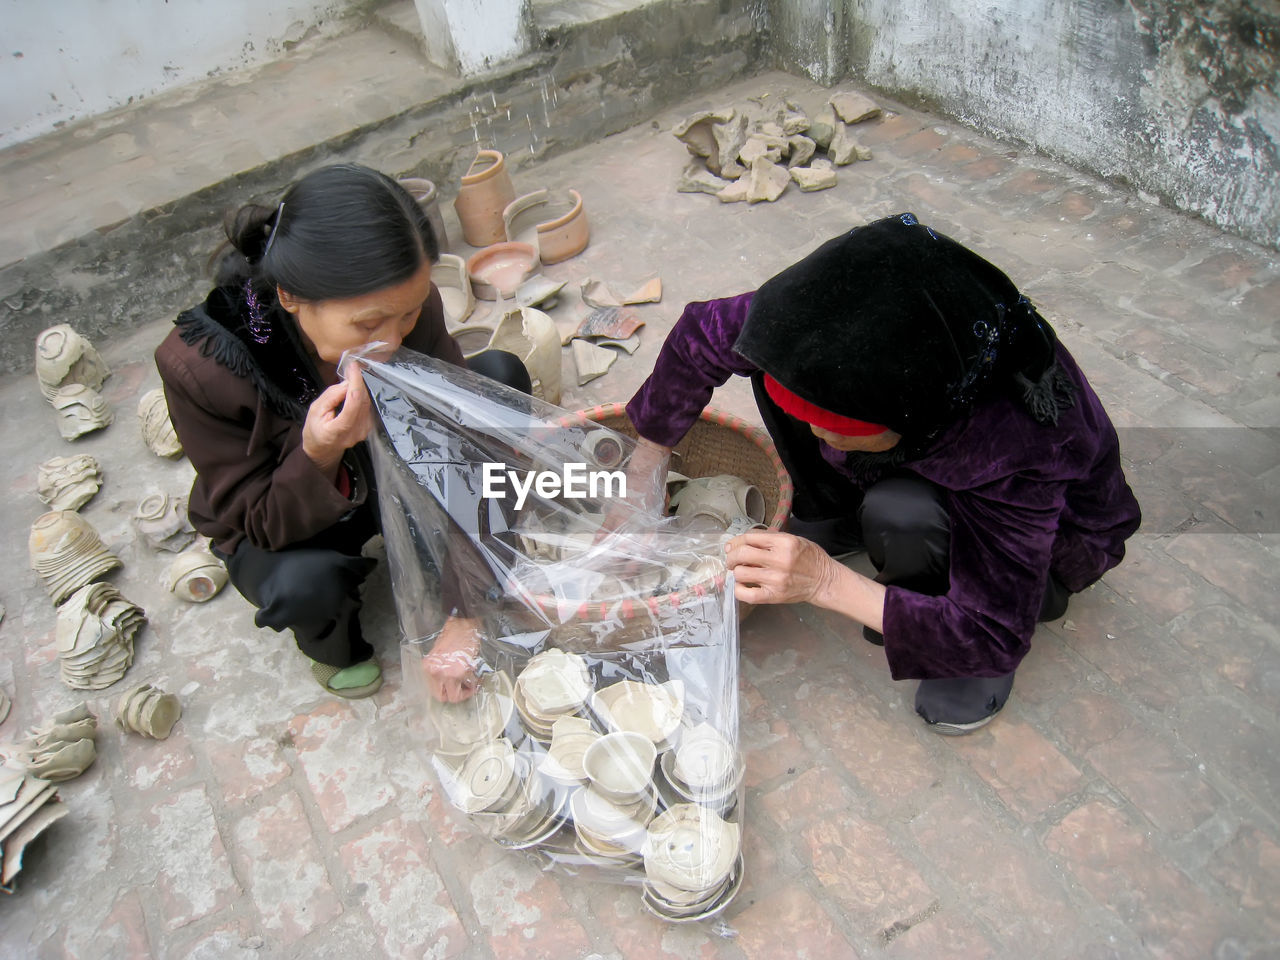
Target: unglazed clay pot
(424, 192)
(149, 711)
(63, 357)
(67, 553)
(157, 430)
(450, 276)
(161, 520)
(68, 483)
(485, 191)
(94, 636)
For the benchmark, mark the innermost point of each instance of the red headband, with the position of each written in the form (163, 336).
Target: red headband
(810, 413)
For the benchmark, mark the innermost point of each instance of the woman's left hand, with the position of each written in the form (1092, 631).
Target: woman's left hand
(773, 567)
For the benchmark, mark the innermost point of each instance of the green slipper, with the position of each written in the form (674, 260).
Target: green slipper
(353, 682)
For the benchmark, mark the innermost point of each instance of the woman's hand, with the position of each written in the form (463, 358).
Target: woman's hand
(450, 667)
(646, 486)
(779, 568)
(337, 420)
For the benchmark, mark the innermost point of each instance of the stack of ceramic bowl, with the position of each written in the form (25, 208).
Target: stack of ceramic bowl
(651, 709)
(692, 863)
(149, 711)
(157, 430)
(68, 483)
(161, 520)
(608, 830)
(463, 726)
(552, 685)
(704, 769)
(570, 739)
(80, 410)
(94, 636)
(500, 792)
(64, 358)
(197, 575)
(63, 749)
(67, 553)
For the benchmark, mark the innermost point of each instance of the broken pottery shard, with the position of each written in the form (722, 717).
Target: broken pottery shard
(157, 430)
(771, 129)
(793, 121)
(694, 131)
(22, 820)
(695, 178)
(595, 293)
(802, 150)
(732, 170)
(591, 361)
(538, 290)
(736, 192)
(162, 522)
(760, 145)
(5, 704)
(768, 181)
(612, 323)
(80, 410)
(628, 346)
(650, 292)
(729, 137)
(819, 176)
(68, 483)
(823, 128)
(67, 553)
(853, 107)
(845, 147)
(64, 358)
(149, 711)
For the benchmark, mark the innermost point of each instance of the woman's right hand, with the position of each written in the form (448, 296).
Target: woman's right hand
(336, 421)
(450, 667)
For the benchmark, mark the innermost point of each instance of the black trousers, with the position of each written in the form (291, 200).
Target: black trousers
(902, 520)
(313, 588)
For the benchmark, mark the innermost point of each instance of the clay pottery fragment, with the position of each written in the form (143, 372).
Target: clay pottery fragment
(591, 361)
(67, 553)
(125, 702)
(819, 176)
(845, 148)
(63, 358)
(730, 137)
(157, 430)
(628, 346)
(538, 291)
(80, 410)
(566, 234)
(759, 146)
(424, 194)
(528, 333)
(612, 323)
(648, 292)
(162, 522)
(197, 576)
(161, 713)
(485, 191)
(5, 704)
(736, 192)
(68, 483)
(771, 129)
(695, 178)
(853, 107)
(695, 131)
(449, 274)
(802, 150)
(767, 181)
(65, 763)
(723, 498)
(823, 128)
(497, 270)
(75, 714)
(793, 121)
(596, 293)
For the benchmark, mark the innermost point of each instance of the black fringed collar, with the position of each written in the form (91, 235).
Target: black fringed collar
(269, 353)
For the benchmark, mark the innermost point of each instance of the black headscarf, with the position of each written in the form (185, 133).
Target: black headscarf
(895, 324)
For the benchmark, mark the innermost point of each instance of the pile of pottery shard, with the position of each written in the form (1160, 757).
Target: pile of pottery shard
(498, 299)
(755, 160)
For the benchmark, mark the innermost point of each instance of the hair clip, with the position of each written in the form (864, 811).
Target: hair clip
(275, 229)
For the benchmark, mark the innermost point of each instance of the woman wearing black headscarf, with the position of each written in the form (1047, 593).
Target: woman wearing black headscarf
(926, 411)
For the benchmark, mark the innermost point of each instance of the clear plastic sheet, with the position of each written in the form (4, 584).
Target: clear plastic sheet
(572, 655)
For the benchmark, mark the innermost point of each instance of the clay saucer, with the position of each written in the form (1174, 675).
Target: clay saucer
(653, 709)
(499, 269)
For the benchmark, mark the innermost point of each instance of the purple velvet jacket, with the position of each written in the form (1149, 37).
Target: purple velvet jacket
(1024, 499)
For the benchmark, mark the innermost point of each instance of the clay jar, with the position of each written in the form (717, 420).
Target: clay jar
(558, 230)
(424, 192)
(485, 192)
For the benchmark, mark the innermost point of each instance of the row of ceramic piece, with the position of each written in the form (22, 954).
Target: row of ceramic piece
(67, 552)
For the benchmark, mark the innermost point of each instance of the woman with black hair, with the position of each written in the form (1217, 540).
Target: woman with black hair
(284, 484)
(926, 412)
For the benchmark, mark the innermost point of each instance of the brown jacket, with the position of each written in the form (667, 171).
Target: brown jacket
(253, 480)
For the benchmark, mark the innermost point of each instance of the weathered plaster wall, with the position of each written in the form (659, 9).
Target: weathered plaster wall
(73, 58)
(1180, 98)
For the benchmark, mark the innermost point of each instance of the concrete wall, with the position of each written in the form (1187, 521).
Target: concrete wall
(1180, 98)
(67, 59)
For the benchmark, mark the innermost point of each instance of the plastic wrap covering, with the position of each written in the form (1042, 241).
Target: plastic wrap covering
(588, 715)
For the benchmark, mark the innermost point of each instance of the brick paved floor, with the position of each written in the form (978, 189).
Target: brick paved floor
(1123, 805)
